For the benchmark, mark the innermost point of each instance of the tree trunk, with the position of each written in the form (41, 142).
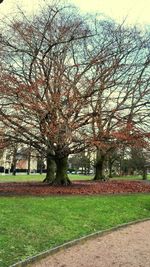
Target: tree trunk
(144, 174)
(50, 175)
(110, 164)
(41, 169)
(61, 172)
(14, 162)
(85, 171)
(29, 161)
(14, 168)
(99, 166)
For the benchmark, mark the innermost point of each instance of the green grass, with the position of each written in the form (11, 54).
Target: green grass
(21, 177)
(80, 177)
(29, 225)
(38, 177)
(132, 177)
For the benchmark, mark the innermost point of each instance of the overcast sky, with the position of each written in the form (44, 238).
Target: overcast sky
(135, 11)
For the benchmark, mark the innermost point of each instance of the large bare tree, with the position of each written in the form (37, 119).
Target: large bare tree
(67, 84)
(43, 93)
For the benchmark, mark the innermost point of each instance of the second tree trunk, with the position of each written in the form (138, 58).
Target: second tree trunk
(61, 171)
(99, 166)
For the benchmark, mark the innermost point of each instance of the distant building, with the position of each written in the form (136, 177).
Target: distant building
(22, 160)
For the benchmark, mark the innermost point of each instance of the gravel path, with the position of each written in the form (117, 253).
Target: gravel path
(128, 247)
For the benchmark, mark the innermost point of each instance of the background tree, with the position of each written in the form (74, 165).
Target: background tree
(82, 162)
(136, 162)
(120, 108)
(113, 159)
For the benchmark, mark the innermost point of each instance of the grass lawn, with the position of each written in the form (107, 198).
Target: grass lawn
(132, 177)
(21, 177)
(29, 225)
(38, 177)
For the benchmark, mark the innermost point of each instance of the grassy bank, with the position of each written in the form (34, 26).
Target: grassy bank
(29, 225)
(38, 177)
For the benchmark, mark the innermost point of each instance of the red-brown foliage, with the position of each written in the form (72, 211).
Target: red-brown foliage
(77, 188)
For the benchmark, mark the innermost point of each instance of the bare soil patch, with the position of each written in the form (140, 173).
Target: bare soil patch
(76, 188)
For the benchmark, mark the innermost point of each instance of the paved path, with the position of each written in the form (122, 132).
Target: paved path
(128, 247)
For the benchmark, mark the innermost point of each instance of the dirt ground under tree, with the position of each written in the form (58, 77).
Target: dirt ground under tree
(76, 188)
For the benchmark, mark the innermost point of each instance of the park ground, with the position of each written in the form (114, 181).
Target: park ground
(32, 224)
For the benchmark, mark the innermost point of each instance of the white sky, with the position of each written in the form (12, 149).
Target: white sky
(135, 11)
